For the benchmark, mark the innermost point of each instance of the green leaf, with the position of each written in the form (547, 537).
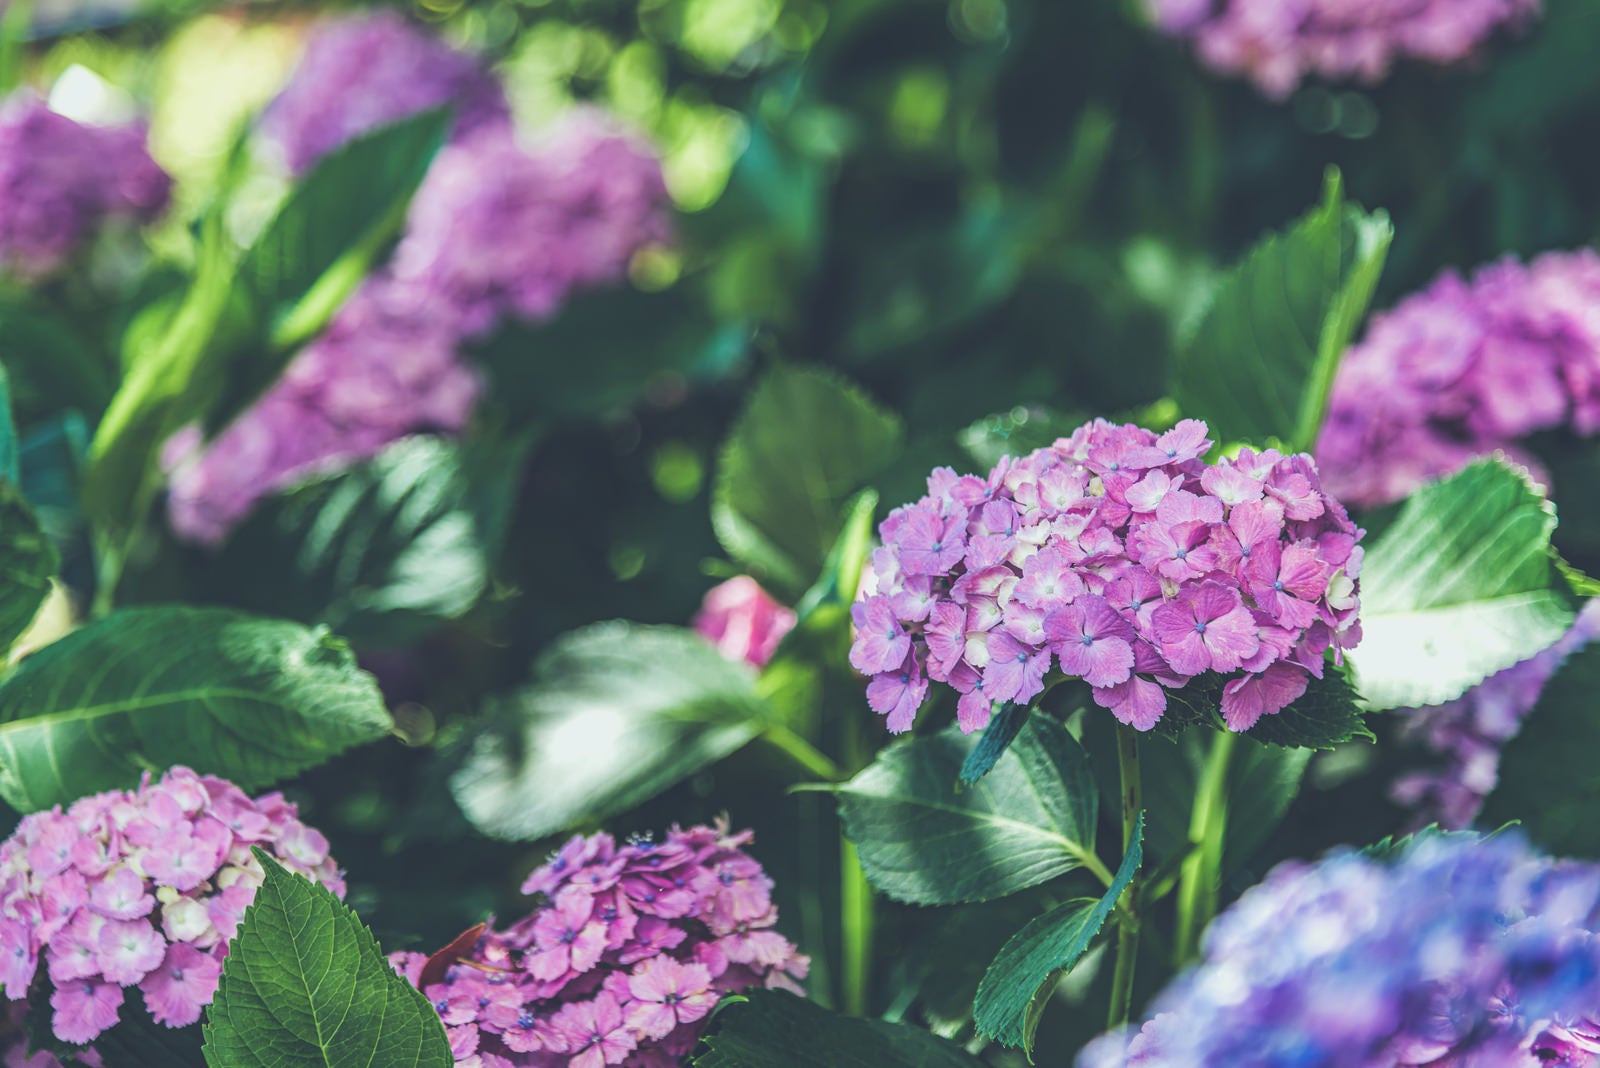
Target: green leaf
(252, 700)
(1548, 778)
(588, 360)
(53, 456)
(1260, 362)
(616, 713)
(49, 365)
(997, 738)
(1017, 986)
(773, 1029)
(1462, 585)
(924, 840)
(379, 552)
(1326, 715)
(778, 497)
(306, 984)
(27, 563)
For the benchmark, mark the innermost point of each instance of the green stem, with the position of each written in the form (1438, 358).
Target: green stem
(804, 753)
(857, 920)
(1127, 905)
(1202, 871)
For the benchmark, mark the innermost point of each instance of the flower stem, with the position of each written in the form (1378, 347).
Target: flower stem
(855, 906)
(1202, 870)
(804, 753)
(1127, 906)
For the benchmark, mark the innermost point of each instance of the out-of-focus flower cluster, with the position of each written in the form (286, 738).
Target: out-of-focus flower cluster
(1126, 559)
(1470, 731)
(1278, 43)
(743, 621)
(498, 230)
(14, 1044)
(60, 180)
(1462, 369)
(1460, 954)
(140, 888)
(625, 960)
(367, 71)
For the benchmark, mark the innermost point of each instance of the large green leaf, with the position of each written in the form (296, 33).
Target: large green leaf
(305, 984)
(1462, 585)
(378, 552)
(805, 442)
(27, 563)
(1017, 986)
(616, 713)
(251, 700)
(1260, 361)
(926, 840)
(1548, 777)
(772, 1029)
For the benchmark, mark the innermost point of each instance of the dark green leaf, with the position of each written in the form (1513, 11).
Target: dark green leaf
(53, 457)
(49, 365)
(1017, 986)
(1261, 360)
(1462, 585)
(615, 714)
(779, 493)
(1548, 778)
(252, 700)
(772, 1029)
(997, 738)
(306, 984)
(378, 553)
(924, 840)
(27, 563)
(1325, 716)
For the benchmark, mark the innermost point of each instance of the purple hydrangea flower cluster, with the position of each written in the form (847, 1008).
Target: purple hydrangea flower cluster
(1278, 43)
(14, 1044)
(61, 179)
(1463, 369)
(140, 888)
(629, 954)
(1121, 556)
(497, 231)
(1462, 953)
(364, 71)
(1470, 731)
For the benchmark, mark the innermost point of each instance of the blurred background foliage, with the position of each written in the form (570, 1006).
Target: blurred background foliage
(992, 215)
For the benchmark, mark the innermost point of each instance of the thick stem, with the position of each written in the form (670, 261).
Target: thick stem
(1202, 871)
(1127, 906)
(857, 919)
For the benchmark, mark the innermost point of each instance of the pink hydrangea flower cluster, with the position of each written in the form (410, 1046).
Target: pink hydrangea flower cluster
(61, 179)
(497, 231)
(1277, 43)
(622, 964)
(364, 71)
(1122, 557)
(14, 1044)
(744, 621)
(1463, 369)
(1470, 731)
(140, 888)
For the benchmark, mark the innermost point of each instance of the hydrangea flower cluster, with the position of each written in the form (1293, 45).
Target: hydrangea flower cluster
(1121, 556)
(1277, 43)
(364, 71)
(14, 1044)
(140, 888)
(1461, 954)
(744, 621)
(61, 179)
(1470, 731)
(497, 231)
(622, 964)
(1462, 369)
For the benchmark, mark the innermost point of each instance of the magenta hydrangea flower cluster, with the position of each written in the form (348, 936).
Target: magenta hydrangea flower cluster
(1460, 953)
(1470, 731)
(364, 71)
(1279, 43)
(60, 180)
(743, 621)
(623, 962)
(1465, 368)
(498, 230)
(140, 888)
(1122, 557)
